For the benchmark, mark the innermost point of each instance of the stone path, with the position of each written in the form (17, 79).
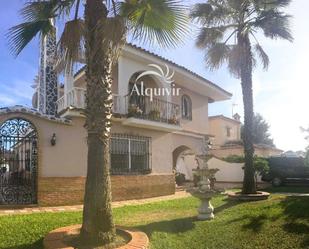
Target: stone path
(177, 195)
(36, 209)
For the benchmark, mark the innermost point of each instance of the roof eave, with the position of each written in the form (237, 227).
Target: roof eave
(220, 93)
(216, 93)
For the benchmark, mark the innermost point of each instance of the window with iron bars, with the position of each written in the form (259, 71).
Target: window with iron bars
(130, 154)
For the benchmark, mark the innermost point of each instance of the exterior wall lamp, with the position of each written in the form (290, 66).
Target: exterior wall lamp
(53, 140)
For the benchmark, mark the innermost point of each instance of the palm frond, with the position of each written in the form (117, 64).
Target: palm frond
(20, 35)
(64, 7)
(56, 7)
(237, 5)
(38, 17)
(38, 10)
(235, 60)
(264, 5)
(201, 11)
(161, 22)
(274, 24)
(71, 43)
(216, 55)
(245, 17)
(262, 55)
(212, 14)
(208, 36)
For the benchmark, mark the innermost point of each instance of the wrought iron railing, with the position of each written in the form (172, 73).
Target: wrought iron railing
(130, 154)
(154, 109)
(142, 107)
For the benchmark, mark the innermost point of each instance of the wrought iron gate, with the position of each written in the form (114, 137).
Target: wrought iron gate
(18, 162)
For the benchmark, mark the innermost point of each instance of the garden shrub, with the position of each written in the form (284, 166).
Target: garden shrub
(180, 178)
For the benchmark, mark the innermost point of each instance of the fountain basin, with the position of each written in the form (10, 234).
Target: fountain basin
(206, 195)
(260, 195)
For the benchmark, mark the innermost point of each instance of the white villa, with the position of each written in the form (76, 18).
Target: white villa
(149, 136)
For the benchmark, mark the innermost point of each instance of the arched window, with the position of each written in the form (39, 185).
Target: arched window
(186, 107)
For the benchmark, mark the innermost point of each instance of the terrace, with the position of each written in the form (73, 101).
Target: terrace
(139, 110)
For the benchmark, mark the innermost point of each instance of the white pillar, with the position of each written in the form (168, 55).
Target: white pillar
(123, 85)
(68, 81)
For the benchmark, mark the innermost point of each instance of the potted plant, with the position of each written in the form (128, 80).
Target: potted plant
(134, 111)
(155, 114)
(173, 120)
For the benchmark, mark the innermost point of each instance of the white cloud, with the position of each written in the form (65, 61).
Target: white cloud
(18, 92)
(6, 101)
(285, 106)
(20, 89)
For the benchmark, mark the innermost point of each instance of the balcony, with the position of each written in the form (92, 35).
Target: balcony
(138, 111)
(142, 112)
(76, 99)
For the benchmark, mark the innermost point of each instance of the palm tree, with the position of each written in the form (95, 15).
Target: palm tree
(100, 35)
(227, 33)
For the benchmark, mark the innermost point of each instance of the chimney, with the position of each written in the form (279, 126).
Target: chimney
(236, 116)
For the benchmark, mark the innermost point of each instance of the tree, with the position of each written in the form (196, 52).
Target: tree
(100, 35)
(306, 130)
(228, 31)
(261, 167)
(260, 131)
(307, 158)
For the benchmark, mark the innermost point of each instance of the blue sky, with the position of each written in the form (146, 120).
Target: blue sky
(280, 94)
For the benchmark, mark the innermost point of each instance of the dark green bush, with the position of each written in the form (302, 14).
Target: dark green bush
(180, 178)
(196, 179)
(234, 159)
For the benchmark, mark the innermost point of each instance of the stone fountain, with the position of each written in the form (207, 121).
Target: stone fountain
(203, 190)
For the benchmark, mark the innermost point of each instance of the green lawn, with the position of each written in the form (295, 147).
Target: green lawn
(280, 222)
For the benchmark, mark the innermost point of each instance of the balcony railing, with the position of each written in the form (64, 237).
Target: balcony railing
(61, 104)
(74, 98)
(152, 109)
(141, 107)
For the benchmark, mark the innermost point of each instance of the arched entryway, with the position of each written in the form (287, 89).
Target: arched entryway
(18, 162)
(184, 161)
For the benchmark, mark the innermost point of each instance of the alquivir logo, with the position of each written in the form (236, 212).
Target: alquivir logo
(166, 77)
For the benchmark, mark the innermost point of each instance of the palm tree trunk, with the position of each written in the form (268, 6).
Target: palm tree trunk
(98, 225)
(249, 186)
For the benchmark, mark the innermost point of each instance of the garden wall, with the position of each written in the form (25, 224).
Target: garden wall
(239, 150)
(230, 175)
(228, 172)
